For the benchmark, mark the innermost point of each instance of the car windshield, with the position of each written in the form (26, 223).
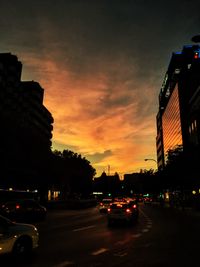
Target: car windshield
(107, 201)
(119, 206)
(5, 222)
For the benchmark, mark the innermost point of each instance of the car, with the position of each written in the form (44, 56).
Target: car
(23, 210)
(17, 238)
(148, 200)
(122, 212)
(105, 204)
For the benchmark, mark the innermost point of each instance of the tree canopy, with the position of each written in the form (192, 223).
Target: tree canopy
(74, 173)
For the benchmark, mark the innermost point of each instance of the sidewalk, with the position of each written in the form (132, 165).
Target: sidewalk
(188, 210)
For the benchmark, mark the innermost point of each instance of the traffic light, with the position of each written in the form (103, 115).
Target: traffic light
(197, 54)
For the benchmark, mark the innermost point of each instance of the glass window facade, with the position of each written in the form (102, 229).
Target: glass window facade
(172, 133)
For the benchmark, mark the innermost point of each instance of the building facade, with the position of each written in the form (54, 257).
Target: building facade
(26, 125)
(178, 118)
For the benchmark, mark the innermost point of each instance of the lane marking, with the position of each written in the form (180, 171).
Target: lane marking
(120, 254)
(99, 251)
(145, 230)
(136, 235)
(65, 263)
(83, 228)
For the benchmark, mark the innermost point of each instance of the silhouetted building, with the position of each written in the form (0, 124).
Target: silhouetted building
(178, 118)
(132, 183)
(26, 126)
(108, 184)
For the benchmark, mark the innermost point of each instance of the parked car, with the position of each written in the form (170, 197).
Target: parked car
(24, 210)
(17, 238)
(122, 211)
(105, 204)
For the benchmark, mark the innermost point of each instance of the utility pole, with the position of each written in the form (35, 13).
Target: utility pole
(108, 170)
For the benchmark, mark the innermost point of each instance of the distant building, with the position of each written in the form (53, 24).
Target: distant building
(107, 184)
(133, 183)
(178, 118)
(26, 125)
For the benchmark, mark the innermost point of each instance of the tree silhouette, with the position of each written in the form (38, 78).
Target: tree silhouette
(74, 173)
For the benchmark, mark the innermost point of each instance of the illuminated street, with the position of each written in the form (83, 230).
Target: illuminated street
(162, 237)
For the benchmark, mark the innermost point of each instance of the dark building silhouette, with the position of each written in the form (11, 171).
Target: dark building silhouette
(108, 184)
(26, 127)
(178, 118)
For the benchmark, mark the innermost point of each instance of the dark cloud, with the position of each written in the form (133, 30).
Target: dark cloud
(62, 147)
(98, 157)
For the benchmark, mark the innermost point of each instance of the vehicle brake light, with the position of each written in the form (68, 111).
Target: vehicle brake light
(101, 204)
(17, 206)
(109, 209)
(134, 206)
(196, 55)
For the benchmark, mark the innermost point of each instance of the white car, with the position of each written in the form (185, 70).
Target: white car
(17, 238)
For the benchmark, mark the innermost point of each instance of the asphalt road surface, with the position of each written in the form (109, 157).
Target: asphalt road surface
(81, 238)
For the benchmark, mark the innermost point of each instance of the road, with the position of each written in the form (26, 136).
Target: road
(81, 238)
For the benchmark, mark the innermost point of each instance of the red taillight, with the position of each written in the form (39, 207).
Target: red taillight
(109, 209)
(17, 206)
(134, 206)
(101, 204)
(196, 55)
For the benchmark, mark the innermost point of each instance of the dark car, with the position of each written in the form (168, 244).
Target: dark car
(104, 205)
(24, 210)
(122, 212)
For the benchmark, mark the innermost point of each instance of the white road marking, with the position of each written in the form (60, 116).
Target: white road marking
(145, 230)
(120, 254)
(136, 235)
(65, 263)
(83, 228)
(99, 251)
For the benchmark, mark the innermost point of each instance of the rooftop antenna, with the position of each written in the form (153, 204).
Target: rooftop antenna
(108, 170)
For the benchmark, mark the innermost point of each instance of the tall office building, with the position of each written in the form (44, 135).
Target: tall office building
(178, 118)
(26, 125)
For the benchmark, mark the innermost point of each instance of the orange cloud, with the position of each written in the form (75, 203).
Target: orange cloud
(95, 114)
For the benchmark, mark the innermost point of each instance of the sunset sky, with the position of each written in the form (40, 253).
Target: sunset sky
(101, 64)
